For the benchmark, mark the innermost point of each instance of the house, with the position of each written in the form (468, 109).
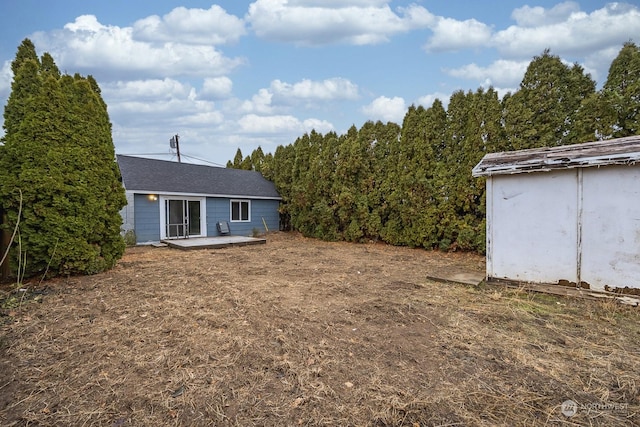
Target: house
(565, 215)
(170, 200)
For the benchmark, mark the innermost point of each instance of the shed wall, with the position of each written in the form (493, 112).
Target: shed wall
(611, 227)
(579, 225)
(533, 232)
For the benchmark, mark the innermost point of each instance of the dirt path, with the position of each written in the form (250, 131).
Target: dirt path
(304, 332)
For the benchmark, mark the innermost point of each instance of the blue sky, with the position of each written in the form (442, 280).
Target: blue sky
(234, 74)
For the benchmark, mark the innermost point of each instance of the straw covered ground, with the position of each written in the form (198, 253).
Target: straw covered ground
(300, 332)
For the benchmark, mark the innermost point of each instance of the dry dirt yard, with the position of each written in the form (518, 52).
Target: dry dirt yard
(300, 332)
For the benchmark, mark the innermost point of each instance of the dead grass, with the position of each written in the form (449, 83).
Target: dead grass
(310, 333)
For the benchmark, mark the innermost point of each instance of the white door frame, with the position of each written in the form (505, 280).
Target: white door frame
(163, 215)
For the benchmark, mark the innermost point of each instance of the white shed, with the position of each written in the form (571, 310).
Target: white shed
(565, 215)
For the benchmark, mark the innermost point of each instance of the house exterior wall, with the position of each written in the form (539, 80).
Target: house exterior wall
(147, 219)
(580, 225)
(145, 216)
(219, 209)
(128, 214)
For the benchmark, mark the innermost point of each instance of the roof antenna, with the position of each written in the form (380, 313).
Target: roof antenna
(175, 144)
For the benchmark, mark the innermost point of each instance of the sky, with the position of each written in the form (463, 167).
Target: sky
(239, 74)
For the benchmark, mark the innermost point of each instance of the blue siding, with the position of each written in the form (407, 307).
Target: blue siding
(146, 219)
(267, 209)
(219, 209)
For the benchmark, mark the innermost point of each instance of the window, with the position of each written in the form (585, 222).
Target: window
(240, 211)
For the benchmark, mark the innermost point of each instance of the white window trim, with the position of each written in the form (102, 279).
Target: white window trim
(231, 202)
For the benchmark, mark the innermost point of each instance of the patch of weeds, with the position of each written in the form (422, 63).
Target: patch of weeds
(17, 298)
(255, 232)
(130, 238)
(483, 286)
(10, 301)
(621, 316)
(542, 305)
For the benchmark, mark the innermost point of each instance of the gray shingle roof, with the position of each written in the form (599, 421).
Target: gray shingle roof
(161, 176)
(619, 151)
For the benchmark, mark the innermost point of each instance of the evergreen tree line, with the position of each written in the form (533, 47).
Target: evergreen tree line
(412, 185)
(57, 162)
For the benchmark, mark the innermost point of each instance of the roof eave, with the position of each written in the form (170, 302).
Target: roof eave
(625, 159)
(188, 194)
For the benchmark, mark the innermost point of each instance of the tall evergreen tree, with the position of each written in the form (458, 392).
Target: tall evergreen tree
(473, 129)
(281, 173)
(412, 185)
(26, 83)
(621, 91)
(542, 111)
(257, 159)
(237, 159)
(59, 153)
(383, 135)
(429, 157)
(351, 164)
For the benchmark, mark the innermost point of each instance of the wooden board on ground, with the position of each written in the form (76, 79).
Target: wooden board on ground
(464, 278)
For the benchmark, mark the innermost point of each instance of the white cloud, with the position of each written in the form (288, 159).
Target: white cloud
(154, 89)
(451, 34)
(501, 72)
(527, 16)
(281, 124)
(253, 123)
(280, 96)
(191, 26)
(316, 23)
(109, 50)
(207, 118)
(338, 3)
(386, 109)
(427, 100)
(6, 76)
(594, 38)
(335, 88)
(217, 87)
(568, 31)
(321, 126)
(417, 17)
(153, 104)
(259, 103)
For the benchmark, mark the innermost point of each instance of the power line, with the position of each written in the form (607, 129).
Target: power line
(173, 156)
(202, 160)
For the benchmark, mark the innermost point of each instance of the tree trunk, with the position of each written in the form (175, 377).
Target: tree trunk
(5, 236)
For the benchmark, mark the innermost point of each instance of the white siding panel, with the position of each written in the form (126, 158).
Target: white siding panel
(611, 227)
(534, 227)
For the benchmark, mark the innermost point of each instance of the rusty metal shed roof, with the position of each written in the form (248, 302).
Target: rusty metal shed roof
(619, 151)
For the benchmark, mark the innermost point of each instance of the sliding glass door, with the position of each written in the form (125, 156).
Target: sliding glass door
(183, 218)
